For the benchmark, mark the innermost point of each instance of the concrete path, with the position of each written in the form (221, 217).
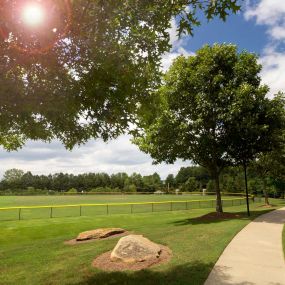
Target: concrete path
(254, 256)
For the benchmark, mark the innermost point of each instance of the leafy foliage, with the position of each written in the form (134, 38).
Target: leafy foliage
(88, 70)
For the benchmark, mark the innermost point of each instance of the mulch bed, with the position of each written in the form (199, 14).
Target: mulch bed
(104, 262)
(217, 216)
(266, 206)
(74, 241)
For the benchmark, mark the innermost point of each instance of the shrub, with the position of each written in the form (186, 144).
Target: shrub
(72, 190)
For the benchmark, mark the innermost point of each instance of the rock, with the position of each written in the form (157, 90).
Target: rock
(99, 233)
(135, 248)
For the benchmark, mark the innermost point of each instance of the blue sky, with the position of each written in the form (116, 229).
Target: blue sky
(259, 28)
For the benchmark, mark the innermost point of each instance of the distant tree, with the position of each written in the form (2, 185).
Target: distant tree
(202, 101)
(190, 185)
(170, 181)
(13, 175)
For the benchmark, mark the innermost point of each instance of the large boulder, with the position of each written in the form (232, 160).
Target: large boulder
(135, 248)
(99, 233)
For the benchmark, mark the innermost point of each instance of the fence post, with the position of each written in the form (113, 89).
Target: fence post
(20, 214)
(80, 210)
(107, 209)
(51, 212)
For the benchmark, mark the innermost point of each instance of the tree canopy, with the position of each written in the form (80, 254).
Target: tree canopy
(203, 101)
(90, 67)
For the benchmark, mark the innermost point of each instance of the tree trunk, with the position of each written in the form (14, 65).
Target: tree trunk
(246, 188)
(219, 205)
(266, 200)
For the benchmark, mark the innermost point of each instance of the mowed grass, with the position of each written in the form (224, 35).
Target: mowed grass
(12, 201)
(33, 251)
(107, 205)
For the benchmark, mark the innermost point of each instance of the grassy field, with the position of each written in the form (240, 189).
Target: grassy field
(22, 201)
(32, 251)
(11, 201)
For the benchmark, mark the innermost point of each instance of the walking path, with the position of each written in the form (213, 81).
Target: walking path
(254, 256)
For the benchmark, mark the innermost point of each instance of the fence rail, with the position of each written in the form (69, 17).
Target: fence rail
(54, 211)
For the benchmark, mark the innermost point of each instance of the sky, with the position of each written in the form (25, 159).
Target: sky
(258, 28)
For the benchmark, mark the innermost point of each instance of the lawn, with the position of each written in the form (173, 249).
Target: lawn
(32, 251)
(11, 201)
(106, 205)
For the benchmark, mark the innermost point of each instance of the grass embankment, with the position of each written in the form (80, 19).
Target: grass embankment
(32, 251)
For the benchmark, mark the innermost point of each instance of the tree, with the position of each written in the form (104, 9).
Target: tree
(12, 178)
(202, 98)
(256, 123)
(170, 181)
(90, 68)
(190, 185)
(271, 164)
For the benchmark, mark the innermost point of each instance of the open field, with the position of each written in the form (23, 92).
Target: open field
(32, 251)
(53, 206)
(13, 201)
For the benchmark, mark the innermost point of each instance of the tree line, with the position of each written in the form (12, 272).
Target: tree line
(188, 179)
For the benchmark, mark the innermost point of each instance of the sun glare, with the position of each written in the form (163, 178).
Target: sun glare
(33, 15)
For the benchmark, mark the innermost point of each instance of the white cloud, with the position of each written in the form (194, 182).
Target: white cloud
(273, 71)
(178, 47)
(271, 13)
(266, 12)
(96, 156)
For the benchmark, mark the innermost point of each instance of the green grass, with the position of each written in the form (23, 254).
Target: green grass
(23, 214)
(11, 201)
(32, 251)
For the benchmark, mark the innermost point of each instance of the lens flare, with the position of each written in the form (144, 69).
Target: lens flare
(33, 15)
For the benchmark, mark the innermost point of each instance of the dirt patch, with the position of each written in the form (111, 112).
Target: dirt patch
(217, 216)
(266, 206)
(74, 241)
(104, 262)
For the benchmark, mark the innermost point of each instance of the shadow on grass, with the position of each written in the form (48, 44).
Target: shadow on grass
(179, 275)
(186, 274)
(239, 216)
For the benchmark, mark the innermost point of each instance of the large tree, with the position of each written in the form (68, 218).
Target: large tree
(202, 98)
(86, 71)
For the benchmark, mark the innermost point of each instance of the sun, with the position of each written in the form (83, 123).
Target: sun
(33, 14)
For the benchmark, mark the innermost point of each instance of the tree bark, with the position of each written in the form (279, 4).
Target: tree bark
(219, 205)
(265, 193)
(246, 188)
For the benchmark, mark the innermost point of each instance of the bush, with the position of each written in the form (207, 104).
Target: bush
(72, 191)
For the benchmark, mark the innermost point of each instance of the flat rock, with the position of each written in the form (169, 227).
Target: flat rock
(135, 248)
(99, 233)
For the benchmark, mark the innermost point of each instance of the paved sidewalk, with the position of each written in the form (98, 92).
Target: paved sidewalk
(254, 256)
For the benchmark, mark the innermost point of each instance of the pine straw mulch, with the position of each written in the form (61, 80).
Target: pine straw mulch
(218, 216)
(266, 206)
(104, 262)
